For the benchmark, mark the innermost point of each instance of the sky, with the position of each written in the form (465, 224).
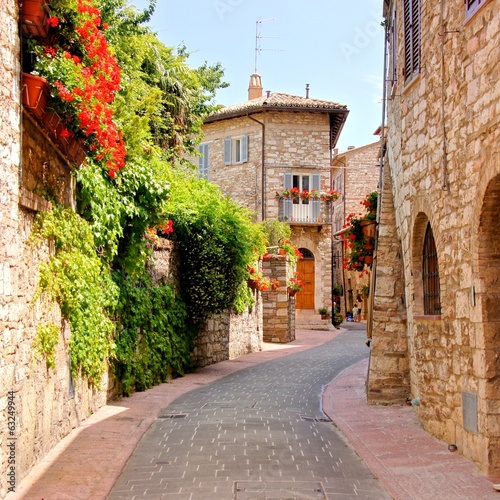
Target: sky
(334, 46)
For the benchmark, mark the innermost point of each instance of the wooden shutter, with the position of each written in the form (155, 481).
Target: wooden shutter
(227, 151)
(315, 204)
(244, 149)
(287, 203)
(411, 22)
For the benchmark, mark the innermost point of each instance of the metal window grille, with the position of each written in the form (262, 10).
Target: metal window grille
(430, 275)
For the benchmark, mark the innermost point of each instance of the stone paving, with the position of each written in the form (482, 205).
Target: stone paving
(259, 433)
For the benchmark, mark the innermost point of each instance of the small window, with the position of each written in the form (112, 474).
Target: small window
(472, 5)
(203, 162)
(236, 150)
(411, 22)
(430, 275)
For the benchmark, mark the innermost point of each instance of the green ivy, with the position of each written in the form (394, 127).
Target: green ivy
(77, 280)
(45, 342)
(217, 241)
(154, 338)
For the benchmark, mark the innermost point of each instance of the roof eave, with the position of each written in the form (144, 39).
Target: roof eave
(260, 109)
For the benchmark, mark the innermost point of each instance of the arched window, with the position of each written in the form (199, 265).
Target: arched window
(430, 275)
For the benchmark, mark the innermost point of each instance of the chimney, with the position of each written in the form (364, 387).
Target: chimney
(307, 91)
(255, 87)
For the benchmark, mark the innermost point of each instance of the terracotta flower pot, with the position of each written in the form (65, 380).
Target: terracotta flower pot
(369, 228)
(368, 260)
(291, 292)
(34, 17)
(36, 94)
(75, 152)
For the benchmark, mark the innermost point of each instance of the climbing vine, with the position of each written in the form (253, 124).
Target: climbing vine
(154, 340)
(76, 279)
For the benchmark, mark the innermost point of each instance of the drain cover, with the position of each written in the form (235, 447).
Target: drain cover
(282, 490)
(172, 415)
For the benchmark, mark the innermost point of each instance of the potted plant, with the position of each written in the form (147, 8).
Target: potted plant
(294, 284)
(323, 311)
(330, 195)
(337, 319)
(337, 290)
(84, 77)
(359, 235)
(287, 248)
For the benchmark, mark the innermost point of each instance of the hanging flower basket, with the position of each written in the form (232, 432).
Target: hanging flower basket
(36, 94)
(34, 18)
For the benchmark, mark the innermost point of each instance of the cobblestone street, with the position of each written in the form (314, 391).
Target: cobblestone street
(259, 433)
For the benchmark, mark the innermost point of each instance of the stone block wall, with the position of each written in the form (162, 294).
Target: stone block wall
(46, 403)
(444, 156)
(229, 335)
(279, 306)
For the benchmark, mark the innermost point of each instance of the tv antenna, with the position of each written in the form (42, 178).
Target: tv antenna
(258, 38)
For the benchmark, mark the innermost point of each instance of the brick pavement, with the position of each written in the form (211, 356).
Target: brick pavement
(86, 464)
(258, 433)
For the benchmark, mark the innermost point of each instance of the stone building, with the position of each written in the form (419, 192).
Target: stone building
(38, 405)
(270, 143)
(436, 317)
(355, 173)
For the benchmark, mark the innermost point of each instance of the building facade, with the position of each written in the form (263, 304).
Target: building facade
(271, 143)
(356, 174)
(436, 318)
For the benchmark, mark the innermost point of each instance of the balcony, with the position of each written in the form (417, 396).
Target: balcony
(308, 212)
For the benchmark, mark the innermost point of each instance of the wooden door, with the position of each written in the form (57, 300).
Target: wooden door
(305, 298)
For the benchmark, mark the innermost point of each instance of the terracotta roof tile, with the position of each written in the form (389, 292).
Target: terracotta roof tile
(276, 100)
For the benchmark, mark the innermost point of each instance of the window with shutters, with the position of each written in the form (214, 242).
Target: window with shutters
(302, 209)
(430, 275)
(203, 162)
(235, 150)
(411, 23)
(472, 6)
(393, 67)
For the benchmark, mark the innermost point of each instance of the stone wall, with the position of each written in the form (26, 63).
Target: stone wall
(279, 305)
(389, 365)
(229, 335)
(47, 403)
(443, 153)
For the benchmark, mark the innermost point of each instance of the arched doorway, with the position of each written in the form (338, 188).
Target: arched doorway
(488, 299)
(305, 268)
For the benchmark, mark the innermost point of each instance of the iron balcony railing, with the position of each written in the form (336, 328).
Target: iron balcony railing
(305, 211)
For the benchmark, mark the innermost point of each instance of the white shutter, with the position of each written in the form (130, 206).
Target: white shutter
(244, 149)
(315, 204)
(227, 151)
(287, 203)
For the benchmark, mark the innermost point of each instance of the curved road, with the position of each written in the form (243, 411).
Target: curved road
(256, 434)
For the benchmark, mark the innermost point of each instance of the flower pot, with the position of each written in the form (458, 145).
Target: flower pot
(36, 94)
(324, 316)
(281, 251)
(369, 228)
(75, 152)
(34, 17)
(291, 292)
(368, 260)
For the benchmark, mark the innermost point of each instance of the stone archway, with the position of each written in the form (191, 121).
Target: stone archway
(488, 300)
